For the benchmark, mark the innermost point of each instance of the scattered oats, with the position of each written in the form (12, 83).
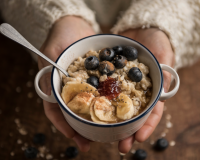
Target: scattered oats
(17, 109)
(42, 149)
(168, 124)
(62, 155)
(17, 121)
(11, 134)
(133, 151)
(168, 116)
(166, 130)
(122, 154)
(41, 155)
(172, 143)
(23, 148)
(31, 72)
(53, 129)
(39, 100)
(19, 141)
(163, 134)
(12, 153)
(49, 156)
(22, 131)
(165, 108)
(18, 89)
(26, 144)
(29, 84)
(30, 95)
(152, 142)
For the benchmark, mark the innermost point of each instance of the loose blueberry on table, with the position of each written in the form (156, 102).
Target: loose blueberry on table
(91, 63)
(140, 154)
(39, 138)
(161, 144)
(94, 81)
(71, 152)
(31, 152)
(106, 54)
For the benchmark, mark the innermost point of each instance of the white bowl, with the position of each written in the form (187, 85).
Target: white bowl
(106, 132)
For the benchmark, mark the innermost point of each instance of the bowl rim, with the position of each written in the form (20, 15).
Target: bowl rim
(112, 124)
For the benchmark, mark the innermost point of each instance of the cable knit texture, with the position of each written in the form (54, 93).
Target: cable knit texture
(34, 18)
(179, 19)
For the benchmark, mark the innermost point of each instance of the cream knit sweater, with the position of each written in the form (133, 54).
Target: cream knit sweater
(179, 19)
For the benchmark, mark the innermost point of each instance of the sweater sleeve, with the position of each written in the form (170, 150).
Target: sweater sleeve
(179, 19)
(34, 18)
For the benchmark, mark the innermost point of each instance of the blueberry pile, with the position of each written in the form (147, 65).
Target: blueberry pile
(71, 152)
(160, 145)
(31, 152)
(111, 58)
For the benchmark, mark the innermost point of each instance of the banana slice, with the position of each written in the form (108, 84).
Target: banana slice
(125, 108)
(71, 89)
(81, 103)
(102, 111)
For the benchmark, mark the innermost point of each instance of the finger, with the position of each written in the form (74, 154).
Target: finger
(83, 144)
(147, 129)
(55, 115)
(125, 145)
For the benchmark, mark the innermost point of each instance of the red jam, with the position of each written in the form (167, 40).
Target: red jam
(109, 88)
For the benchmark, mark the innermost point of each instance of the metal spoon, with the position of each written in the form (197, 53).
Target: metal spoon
(8, 31)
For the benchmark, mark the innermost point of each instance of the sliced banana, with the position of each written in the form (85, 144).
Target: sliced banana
(102, 111)
(125, 108)
(81, 103)
(71, 89)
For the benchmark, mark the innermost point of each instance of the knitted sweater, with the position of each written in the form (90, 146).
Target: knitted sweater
(179, 19)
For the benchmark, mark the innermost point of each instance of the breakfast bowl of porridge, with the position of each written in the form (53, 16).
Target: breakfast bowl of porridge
(113, 84)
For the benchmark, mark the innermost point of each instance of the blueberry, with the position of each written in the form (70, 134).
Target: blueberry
(94, 81)
(31, 152)
(118, 50)
(135, 74)
(71, 152)
(107, 68)
(91, 63)
(107, 54)
(130, 53)
(120, 61)
(39, 138)
(140, 154)
(161, 144)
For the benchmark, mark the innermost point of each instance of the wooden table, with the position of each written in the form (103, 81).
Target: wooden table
(22, 115)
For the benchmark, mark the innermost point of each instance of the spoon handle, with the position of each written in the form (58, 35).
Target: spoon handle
(8, 31)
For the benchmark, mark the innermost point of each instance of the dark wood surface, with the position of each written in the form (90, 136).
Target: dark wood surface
(21, 112)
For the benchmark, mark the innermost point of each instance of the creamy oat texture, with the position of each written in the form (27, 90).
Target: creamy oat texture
(139, 93)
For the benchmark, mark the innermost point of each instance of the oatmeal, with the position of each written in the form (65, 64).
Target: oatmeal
(117, 85)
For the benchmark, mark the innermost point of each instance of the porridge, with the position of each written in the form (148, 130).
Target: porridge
(107, 86)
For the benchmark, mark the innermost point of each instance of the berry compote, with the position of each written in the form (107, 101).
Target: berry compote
(109, 88)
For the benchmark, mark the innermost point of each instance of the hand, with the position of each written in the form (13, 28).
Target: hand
(63, 33)
(158, 43)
